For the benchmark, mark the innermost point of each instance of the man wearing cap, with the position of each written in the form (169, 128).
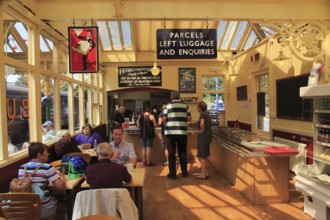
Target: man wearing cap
(48, 128)
(105, 173)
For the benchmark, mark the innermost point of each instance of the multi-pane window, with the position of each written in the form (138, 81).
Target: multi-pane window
(17, 106)
(262, 103)
(213, 95)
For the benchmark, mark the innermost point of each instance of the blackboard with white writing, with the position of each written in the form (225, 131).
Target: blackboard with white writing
(186, 44)
(133, 76)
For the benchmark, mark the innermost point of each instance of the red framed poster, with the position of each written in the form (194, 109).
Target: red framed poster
(83, 50)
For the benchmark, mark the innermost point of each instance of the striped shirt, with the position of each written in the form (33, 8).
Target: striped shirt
(176, 118)
(45, 174)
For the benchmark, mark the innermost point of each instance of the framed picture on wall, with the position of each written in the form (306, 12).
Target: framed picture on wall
(241, 93)
(83, 52)
(187, 80)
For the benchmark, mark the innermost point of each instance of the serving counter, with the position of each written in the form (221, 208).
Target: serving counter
(132, 135)
(259, 177)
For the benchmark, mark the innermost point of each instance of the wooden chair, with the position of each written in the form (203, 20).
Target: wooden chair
(84, 156)
(20, 206)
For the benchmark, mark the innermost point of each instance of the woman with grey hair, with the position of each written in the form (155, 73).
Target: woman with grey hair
(64, 144)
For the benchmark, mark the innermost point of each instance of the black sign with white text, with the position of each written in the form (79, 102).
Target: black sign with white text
(133, 76)
(186, 43)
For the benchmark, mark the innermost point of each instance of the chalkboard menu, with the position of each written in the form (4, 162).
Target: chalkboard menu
(134, 76)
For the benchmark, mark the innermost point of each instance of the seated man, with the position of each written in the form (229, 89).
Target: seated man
(123, 152)
(104, 173)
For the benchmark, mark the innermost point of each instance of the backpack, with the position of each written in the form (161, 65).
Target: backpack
(77, 167)
(23, 185)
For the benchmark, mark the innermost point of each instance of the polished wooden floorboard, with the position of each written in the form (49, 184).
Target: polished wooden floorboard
(191, 198)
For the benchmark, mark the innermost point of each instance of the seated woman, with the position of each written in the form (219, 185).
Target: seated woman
(64, 144)
(45, 174)
(87, 137)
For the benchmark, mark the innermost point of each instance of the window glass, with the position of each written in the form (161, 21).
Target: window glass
(76, 106)
(213, 95)
(17, 108)
(86, 106)
(64, 104)
(47, 108)
(263, 121)
(16, 38)
(46, 54)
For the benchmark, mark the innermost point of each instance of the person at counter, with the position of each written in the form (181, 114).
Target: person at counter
(175, 116)
(64, 144)
(104, 173)
(87, 137)
(123, 152)
(204, 138)
(163, 140)
(147, 122)
(119, 116)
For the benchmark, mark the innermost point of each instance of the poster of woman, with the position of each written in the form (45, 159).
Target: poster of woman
(83, 52)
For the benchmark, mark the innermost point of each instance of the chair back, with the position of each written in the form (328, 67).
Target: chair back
(115, 202)
(20, 206)
(84, 156)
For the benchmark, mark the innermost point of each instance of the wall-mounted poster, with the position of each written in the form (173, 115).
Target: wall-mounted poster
(83, 52)
(187, 80)
(241, 93)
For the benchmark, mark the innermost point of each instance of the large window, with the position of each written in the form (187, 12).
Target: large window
(17, 108)
(213, 95)
(262, 103)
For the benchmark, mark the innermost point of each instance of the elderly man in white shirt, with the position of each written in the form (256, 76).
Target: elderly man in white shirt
(123, 152)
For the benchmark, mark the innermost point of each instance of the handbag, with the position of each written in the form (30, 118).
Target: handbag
(23, 185)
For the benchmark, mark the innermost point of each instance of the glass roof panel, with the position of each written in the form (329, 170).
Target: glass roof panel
(127, 35)
(229, 34)
(268, 31)
(12, 42)
(104, 35)
(115, 34)
(43, 45)
(50, 44)
(251, 40)
(220, 31)
(21, 29)
(238, 35)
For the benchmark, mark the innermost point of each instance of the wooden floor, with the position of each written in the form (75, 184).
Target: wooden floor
(191, 198)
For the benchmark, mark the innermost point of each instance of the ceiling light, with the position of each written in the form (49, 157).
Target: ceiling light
(155, 70)
(281, 57)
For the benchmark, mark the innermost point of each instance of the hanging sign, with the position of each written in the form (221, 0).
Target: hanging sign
(186, 43)
(133, 76)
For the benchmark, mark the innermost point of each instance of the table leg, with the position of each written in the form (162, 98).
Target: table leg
(69, 204)
(139, 201)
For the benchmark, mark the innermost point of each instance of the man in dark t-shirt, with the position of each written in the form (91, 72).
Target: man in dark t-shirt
(118, 117)
(104, 173)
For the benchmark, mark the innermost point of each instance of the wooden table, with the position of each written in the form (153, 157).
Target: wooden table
(70, 185)
(90, 151)
(137, 184)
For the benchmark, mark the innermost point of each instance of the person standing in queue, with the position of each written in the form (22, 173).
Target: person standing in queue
(163, 140)
(118, 117)
(204, 138)
(147, 122)
(175, 116)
